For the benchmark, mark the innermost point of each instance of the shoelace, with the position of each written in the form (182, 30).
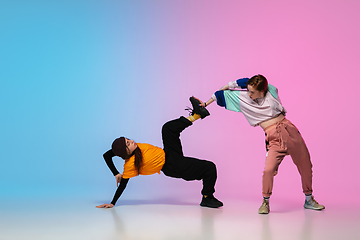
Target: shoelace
(313, 202)
(190, 110)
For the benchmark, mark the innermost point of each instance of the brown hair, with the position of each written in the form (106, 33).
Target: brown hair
(259, 82)
(138, 159)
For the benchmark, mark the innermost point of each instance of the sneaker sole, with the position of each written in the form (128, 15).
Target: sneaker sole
(212, 206)
(209, 206)
(313, 208)
(264, 212)
(204, 112)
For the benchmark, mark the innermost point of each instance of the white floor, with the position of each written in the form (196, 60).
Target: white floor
(174, 219)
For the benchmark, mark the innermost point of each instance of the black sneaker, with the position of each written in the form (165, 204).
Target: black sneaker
(203, 112)
(210, 202)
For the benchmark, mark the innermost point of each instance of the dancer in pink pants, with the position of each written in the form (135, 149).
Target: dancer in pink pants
(260, 104)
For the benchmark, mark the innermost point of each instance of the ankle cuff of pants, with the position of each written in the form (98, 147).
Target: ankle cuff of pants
(308, 192)
(186, 121)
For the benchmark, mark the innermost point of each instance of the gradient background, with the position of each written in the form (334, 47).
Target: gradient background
(77, 74)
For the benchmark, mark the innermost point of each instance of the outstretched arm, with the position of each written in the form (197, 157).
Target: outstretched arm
(119, 191)
(226, 87)
(240, 83)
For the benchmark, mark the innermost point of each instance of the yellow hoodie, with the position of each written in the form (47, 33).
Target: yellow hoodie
(153, 161)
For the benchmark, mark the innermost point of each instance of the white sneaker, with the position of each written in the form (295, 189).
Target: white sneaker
(264, 208)
(313, 204)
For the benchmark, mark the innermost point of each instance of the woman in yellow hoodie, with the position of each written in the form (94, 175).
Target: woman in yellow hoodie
(146, 159)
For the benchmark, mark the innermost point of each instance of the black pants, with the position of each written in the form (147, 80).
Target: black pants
(188, 168)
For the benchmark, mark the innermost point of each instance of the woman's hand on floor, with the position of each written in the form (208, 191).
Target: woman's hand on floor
(105, 206)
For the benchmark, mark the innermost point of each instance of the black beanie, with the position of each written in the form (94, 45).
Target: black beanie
(119, 147)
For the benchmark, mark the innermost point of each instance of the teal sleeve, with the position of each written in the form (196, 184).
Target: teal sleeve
(232, 100)
(273, 91)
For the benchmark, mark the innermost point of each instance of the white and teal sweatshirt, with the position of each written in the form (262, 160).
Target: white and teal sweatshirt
(255, 111)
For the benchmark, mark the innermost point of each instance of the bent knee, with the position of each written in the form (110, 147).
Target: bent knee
(165, 128)
(210, 166)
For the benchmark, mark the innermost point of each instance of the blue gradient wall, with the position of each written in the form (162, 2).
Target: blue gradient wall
(77, 74)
